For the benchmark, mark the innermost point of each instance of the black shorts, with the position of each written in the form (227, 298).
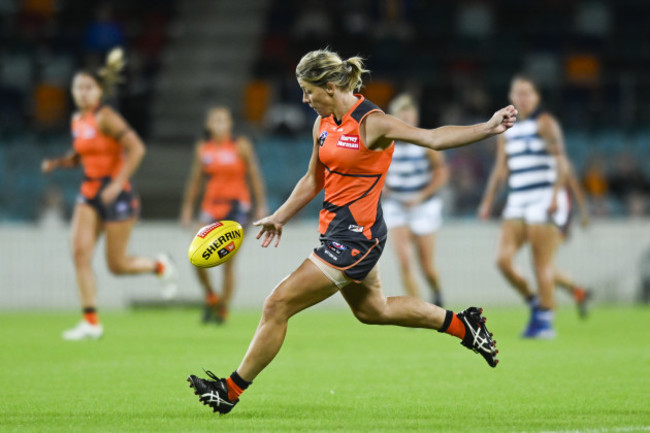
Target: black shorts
(125, 206)
(355, 258)
(238, 211)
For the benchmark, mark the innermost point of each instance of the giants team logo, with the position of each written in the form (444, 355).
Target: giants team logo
(348, 142)
(321, 138)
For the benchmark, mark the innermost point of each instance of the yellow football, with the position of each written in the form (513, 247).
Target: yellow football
(215, 243)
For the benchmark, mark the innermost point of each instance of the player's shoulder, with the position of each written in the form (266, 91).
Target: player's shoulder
(544, 116)
(364, 109)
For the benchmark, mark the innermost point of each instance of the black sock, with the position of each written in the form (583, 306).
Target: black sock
(89, 310)
(445, 325)
(239, 381)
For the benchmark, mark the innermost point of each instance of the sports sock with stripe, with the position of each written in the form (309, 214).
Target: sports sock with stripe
(453, 325)
(90, 315)
(236, 386)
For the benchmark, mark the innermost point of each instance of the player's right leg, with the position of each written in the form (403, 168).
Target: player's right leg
(511, 239)
(86, 228)
(401, 239)
(369, 304)
(304, 287)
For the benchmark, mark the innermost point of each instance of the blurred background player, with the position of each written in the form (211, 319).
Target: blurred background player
(352, 147)
(412, 208)
(230, 166)
(531, 155)
(109, 152)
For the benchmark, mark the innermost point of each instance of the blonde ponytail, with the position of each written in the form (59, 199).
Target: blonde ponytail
(110, 74)
(324, 66)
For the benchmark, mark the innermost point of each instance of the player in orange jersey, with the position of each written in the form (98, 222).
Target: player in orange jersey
(109, 152)
(352, 150)
(231, 169)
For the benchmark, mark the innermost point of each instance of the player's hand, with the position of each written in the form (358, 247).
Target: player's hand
(484, 211)
(270, 229)
(48, 166)
(110, 193)
(502, 120)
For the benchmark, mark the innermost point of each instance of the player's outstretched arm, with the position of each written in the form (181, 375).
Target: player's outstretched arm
(305, 190)
(70, 160)
(382, 129)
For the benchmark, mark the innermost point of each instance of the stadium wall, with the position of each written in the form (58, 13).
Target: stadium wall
(37, 272)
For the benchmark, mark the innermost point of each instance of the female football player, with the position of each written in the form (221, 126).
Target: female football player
(412, 208)
(109, 152)
(232, 171)
(352, 149)
(531, 156)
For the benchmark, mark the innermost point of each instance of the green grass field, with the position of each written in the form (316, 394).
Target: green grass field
(333, 374)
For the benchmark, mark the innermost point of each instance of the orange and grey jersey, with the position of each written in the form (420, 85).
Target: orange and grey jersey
(102, 156)
(354, 177)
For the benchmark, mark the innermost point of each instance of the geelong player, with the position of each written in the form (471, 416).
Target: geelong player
(412, 208)
(230, 166)
(352, 149)
(531, 156)
(109, 152)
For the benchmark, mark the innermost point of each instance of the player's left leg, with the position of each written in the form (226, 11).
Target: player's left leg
(425, 248)
(304, 287)
(117, 241)
(544, 239)
(371, 306)
(580, 294)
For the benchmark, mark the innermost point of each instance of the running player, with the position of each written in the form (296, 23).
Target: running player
(531, 155)
(230, 165)
(109, 152)
(352, 149)
(412, 208)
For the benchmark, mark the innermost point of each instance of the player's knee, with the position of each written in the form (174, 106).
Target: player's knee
(116, 266)
(369, 316)
(274, 308)
(81, 254)
(503, 262)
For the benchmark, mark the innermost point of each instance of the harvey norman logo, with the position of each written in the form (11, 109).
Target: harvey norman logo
(348, 142)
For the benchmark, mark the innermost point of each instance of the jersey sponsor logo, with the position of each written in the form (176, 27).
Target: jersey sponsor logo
(227, 158)
(355, 228)
(321, 138)
(348, 142)
(207, 229)
(339, 246)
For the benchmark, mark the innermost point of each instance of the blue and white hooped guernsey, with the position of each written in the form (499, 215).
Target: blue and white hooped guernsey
(530, 166)
(410, 172)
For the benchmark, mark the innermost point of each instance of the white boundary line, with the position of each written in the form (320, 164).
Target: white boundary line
(601, 430)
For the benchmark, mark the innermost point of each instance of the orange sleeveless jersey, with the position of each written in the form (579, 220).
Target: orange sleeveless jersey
(227, 176)
(354, 177)
(101, 155)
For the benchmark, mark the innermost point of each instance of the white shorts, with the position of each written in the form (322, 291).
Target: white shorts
(422, 219)
(532, 207)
